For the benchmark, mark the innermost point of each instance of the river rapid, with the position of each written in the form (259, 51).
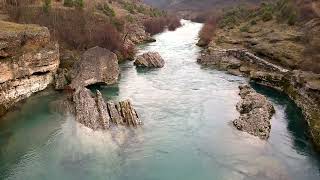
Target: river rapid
(187, 133)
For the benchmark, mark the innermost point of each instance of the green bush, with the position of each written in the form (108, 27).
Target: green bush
(129, 18)
(106, 9)
(130, 7)
(118, 23)
(141, 9)
(79, 3)
(253, 22)
(267, 16)
(292, 19)
(244, 28)
(287, 12)
(68, 3)
(74, 3)
(47, 5)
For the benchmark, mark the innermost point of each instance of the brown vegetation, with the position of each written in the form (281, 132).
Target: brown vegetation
(75, 28)
(208, 30)
(159, 24)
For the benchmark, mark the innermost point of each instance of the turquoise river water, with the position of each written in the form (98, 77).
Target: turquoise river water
(187, 134)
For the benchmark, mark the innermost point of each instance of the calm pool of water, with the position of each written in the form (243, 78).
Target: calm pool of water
(187, 134)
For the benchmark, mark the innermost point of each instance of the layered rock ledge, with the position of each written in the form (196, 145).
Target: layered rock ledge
(255, 113)
(28, 62)
(150, 60)
(94, 112)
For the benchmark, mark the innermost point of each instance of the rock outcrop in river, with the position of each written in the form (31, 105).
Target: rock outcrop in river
(93, 112)
(28, 62)
(96, 66)
(150, 60)
(255, 113)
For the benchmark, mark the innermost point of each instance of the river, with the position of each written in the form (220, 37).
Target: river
(187, 134)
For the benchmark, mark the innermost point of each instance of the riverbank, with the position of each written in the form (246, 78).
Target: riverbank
(302, 87)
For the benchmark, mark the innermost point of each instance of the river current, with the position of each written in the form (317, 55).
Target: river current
(187, 133)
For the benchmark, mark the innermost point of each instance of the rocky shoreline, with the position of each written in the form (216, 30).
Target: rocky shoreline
(301, 86)
(28, 62)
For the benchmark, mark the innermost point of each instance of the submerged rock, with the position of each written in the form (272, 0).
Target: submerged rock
(93, 112)
(97, 65)
(150, 59)
(255, 113)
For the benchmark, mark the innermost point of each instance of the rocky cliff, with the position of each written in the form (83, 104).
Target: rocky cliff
(28, 61)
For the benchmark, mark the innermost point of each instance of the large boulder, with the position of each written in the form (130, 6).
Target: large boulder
(255, 113)
(93, 112)
(28, 62)
(150, 59)
(97, 65)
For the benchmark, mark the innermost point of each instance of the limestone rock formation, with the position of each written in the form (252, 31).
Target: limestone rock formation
(255, 113)
(150, 59)
(137, 34)
(220, 59)
(97, 65)
(28, 62)
(86, 108)
(236, 59)
(115, 116)
(93, 112)
(61, 80)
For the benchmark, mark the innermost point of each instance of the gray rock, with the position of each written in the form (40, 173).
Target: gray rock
(129, 114)
(255, 113)
(86, 111)
(97, 65)
(220, 59)
(95, 113)
(104, 119)
(61, 79)
(150, 59)
(115, 116)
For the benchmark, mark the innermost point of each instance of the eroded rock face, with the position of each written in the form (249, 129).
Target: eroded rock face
(97, 65)
(150, 60)
(93, 112)
(255, 113)
(28, 62)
